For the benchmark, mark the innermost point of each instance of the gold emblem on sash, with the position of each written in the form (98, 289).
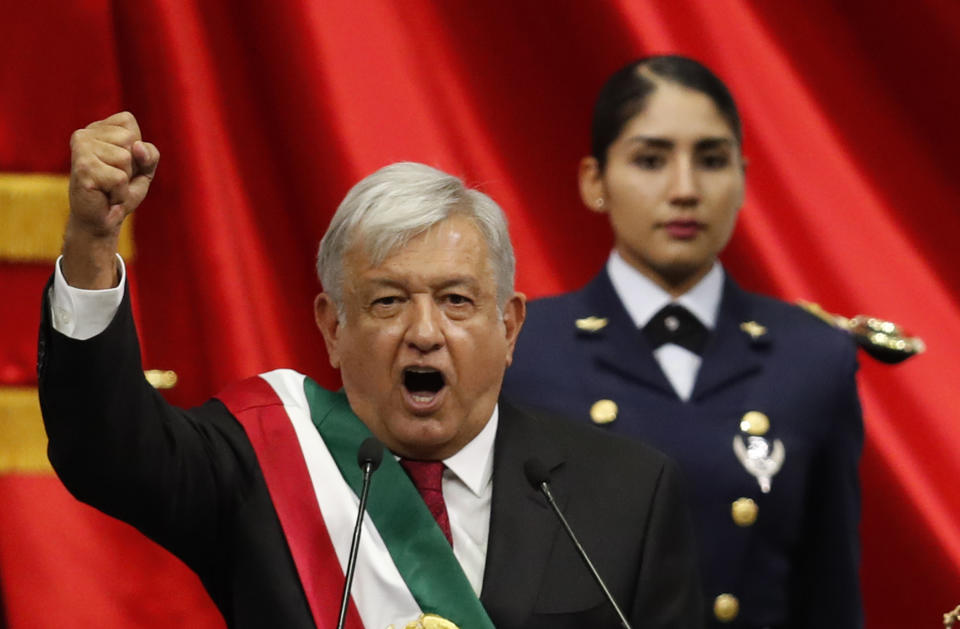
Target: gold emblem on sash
(429, 621)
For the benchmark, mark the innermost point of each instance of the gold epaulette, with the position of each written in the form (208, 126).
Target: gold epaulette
(883, 340)
(951, 617)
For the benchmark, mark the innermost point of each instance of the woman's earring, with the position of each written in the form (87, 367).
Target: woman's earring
(599, 203)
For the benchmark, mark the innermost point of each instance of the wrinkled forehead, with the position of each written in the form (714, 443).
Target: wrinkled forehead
(455, 243)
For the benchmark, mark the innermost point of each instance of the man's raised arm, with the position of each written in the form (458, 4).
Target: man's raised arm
(111, 168)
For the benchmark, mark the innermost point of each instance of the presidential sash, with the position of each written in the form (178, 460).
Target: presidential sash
(306, 440)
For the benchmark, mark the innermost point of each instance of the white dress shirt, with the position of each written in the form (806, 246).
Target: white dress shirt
(643, 299)
(468, 477)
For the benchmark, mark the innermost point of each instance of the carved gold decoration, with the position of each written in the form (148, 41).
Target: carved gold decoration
(33, 212)
(23, 441)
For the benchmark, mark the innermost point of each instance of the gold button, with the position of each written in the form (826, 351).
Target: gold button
(603, 411)
(755, 423)
(726, 607)
(744, 511)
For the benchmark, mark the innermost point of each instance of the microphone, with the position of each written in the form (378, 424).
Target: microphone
(369, 456)
(539, 478)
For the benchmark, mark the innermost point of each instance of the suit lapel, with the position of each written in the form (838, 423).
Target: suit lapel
(731, 353)
(522, 526)
(618, 346)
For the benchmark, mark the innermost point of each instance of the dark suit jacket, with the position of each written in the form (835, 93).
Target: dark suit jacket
(190, 481)
(797, 565)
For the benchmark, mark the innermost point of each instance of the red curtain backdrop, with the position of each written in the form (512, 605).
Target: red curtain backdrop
(266, 113)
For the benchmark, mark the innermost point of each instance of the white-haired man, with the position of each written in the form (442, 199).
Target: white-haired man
(256, 489)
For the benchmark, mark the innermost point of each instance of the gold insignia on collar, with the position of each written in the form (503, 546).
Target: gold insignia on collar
(754, 329)
(591, 323)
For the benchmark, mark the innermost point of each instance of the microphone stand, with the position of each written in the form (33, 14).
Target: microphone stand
(368, 457)
(538, 476)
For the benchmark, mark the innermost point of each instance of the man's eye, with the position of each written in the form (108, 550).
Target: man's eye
(391, 300)
(714, 162)
(649, 161)
(458, 300)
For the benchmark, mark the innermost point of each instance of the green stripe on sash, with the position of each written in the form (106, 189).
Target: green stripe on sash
(414, 540)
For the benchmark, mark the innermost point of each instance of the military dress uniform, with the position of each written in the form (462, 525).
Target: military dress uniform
(769, 439)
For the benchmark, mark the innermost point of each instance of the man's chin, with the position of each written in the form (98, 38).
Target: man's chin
(427, 437)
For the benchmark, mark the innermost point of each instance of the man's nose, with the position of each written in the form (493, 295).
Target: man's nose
(424, 329)
(684, 187)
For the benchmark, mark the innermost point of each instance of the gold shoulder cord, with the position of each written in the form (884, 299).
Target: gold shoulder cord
(883, 340)
(950, 618)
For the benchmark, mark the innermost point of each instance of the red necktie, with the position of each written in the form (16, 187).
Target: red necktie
(427, 477)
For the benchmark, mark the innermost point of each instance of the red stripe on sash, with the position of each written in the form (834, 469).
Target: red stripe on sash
(260, 411)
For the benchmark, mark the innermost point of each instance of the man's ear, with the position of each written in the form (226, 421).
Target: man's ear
(514, 314)
(328, 322)
(591, 184)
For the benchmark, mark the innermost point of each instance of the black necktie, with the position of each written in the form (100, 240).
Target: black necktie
(675, 324)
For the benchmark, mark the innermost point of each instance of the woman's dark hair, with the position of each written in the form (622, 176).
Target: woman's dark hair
(625, 93)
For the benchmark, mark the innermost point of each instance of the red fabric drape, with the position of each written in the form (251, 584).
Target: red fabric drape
(266, 113)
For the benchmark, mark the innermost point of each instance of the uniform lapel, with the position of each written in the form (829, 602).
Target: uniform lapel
(731, 353)
(618, 346)
(522, 526)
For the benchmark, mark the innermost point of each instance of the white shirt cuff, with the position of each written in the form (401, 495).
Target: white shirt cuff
(82, 314)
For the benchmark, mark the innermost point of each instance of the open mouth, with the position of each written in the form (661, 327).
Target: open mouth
(423, 383)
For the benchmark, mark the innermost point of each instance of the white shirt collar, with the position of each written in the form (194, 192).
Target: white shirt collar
(642, 298)
(473, 464)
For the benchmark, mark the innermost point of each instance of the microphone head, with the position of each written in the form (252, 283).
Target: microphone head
(371, 451)
(536, 472)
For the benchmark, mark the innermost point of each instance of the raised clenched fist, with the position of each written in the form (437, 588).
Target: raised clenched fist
(111, 168)
(110, 171)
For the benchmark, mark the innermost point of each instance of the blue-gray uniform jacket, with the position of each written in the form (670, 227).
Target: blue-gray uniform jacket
(775, 396)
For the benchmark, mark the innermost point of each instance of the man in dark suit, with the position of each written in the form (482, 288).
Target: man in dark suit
(256, 491)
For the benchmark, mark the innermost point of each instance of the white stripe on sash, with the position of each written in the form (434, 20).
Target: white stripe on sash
(379, 592)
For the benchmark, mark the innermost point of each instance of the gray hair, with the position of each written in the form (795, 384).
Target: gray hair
(388, 208)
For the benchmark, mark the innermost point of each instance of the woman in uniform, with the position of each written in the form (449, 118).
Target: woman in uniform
(755, 398)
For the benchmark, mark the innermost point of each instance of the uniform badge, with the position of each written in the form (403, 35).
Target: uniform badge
(754, 329)
(591, 324)
(761, 459)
